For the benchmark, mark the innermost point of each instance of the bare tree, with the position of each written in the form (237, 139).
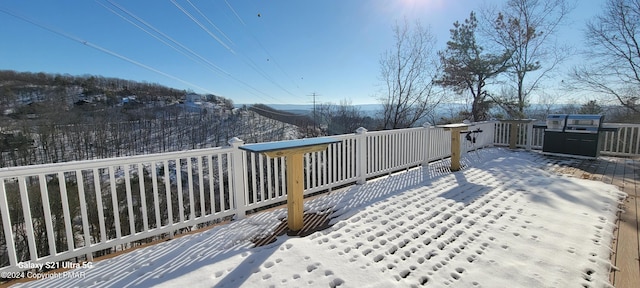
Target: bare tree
(468, 68)
(7, 100)
(408, 72)
(526, 28)
(348, 119)
(547, 104)
(342, 118)
(613, 68)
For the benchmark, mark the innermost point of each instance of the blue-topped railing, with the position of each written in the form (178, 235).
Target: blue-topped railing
(79, 210)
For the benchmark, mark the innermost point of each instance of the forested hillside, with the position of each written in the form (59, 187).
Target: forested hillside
(49, 118)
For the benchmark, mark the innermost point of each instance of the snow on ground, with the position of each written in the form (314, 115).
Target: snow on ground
(503, 221)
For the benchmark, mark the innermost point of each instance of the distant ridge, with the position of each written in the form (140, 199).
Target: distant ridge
(307, 108)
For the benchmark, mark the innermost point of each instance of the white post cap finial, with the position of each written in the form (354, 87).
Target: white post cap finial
(361, 130)
(235, 140)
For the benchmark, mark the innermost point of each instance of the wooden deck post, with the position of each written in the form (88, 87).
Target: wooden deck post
(455, 143)
(295, 207)
(455, 148)
(513, 132)
(293, 151)
(513, 135)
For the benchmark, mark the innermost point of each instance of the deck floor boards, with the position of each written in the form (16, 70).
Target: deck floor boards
(625, 174)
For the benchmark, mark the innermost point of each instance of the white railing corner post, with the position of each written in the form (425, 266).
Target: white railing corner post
(361, 155)
(494, 128)
(427, 138)
(239, 170)
(529, 135)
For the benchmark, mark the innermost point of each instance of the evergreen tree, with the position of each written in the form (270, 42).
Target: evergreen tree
(467, 67)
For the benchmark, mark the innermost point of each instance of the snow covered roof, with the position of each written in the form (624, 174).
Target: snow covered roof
(502, 221)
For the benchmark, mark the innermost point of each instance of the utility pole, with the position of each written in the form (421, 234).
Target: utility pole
(314, 95)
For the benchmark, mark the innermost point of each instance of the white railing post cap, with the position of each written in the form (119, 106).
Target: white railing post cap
(235, 141)
(426, 125)
(361, 130)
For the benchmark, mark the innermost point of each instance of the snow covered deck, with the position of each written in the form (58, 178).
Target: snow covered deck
(625, 174)
(507, 219)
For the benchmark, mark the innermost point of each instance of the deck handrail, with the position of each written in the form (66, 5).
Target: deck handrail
(624, 142)
(56, 212)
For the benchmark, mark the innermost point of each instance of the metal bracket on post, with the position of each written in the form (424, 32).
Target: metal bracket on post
(361, 155)
(238, 168)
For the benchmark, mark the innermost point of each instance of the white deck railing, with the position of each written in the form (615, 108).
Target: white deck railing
(624, 142)
(56, 212)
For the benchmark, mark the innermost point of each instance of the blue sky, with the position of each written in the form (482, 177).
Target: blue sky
(259, 51)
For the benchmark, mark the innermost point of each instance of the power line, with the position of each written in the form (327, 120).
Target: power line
(210, 22)
(234, 12)
(260, 44)
(99, 48)
(202, 60)
(149, 29)
(246, 59)
(202, 26)
(191, 54)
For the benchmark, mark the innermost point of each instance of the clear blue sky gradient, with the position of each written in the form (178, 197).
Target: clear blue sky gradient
(260, 51)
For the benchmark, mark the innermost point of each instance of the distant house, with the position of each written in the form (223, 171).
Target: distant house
(129, 101)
